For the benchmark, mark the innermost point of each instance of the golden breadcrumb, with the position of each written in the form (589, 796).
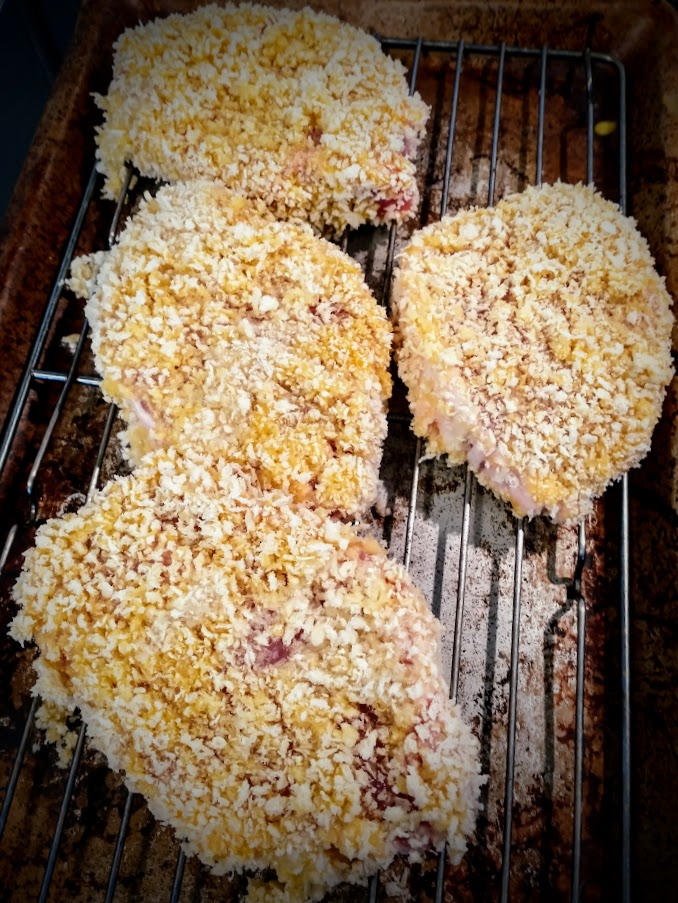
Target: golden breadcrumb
(293, 107)
(535, 341)
(218, 328)
(266, 678)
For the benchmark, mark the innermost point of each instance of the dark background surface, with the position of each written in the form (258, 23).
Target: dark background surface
(34, 37)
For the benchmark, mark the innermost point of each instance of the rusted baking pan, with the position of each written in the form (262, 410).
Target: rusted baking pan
(607, 79)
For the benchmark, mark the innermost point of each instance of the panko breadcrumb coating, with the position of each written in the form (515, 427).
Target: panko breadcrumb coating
(293, 107)
(535, 340)
(266, 678)
(216, 327)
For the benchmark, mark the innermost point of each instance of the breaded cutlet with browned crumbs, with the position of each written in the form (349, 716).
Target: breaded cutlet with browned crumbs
(535, 340)
(290, 106)
(216, 327)
(265, 677)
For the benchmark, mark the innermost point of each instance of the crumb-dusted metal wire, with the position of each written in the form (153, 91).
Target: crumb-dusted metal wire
(35, 376)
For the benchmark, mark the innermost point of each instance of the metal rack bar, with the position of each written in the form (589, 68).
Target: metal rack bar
(56, 414)
(101, 453)
(18, 762)
(579, 720)
(491, 49)
(461, 583)
(19, 402)
(588, 71)
(621, 74)
(373, 883)
(119, 204)
(390, 250)
(7, 547)
(30, 716)
(51, 376)
(412, 509)
(63, 811)
(178, 877)
(544, 55)
(94, 481)
(451, 128)
(517, 585)
(495, 126)
(541, 115)
(625, 591)
(575, 889)
(71, 376)
(68, 381)
(119, 848)
(513, 707)
(468, 476)
(77, 754)
(626, 695)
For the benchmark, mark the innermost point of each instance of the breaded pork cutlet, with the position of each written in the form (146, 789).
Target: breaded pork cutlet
(535, 340)
(266, 678)
(293, 107)
(216, 327)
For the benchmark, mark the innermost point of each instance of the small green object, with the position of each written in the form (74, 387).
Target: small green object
(605, 127)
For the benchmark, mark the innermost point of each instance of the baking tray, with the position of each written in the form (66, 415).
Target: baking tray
(642, 38)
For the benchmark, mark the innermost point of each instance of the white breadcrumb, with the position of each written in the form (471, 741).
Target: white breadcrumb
(293, 107)
(70, 503)
(535, 341)
(398, 885)
(52, 720)
(70, 342)
(84, 272)
(265, 677)
(216, 327)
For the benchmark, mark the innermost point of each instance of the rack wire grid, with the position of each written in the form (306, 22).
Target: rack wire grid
(530, 74)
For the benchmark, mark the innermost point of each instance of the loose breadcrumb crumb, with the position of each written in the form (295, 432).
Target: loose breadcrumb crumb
(265, 677)
(535, 341)
(52, 720)
(216, 327)
(70, 342)
(293, 107)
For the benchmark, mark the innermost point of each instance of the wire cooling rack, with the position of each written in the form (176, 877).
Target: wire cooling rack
(594, 85)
